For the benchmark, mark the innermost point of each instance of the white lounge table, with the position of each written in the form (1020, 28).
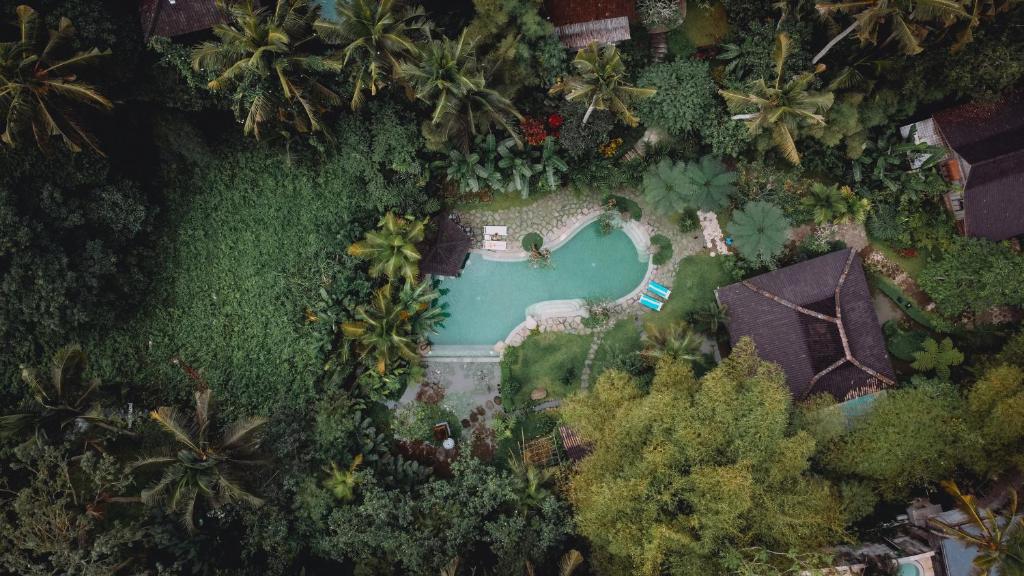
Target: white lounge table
(495, 237)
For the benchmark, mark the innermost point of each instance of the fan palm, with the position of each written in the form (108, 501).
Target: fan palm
(260, 54)
(938, 357)
(61, 400)
(996, 539)
(709, 184)
(781, 107)
(376, 35)
(908, 20)
(200, 466)
(382, 332)
(40, 88)
(391, 249)
(449, 78)
(675, 342)
(760, 231)
(601, 83)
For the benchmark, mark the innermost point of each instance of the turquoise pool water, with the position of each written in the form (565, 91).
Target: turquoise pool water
(909, 570)
(490, 298)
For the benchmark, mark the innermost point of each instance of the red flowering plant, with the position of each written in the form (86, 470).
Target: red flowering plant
(534, 131)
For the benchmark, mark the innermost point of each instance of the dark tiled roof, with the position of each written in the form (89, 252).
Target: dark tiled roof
(994, 198)
(447, 253)
(990, 137)
(792, 316)
(982, 131)
(564, 12)
(164, 18)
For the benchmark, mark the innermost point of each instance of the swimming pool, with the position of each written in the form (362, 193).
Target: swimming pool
(909, 569)
(491, 297)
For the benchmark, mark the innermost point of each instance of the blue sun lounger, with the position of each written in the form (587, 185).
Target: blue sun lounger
(651, 303)
(659, 290)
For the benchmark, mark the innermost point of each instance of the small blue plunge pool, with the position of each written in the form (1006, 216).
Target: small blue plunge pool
(490, 298)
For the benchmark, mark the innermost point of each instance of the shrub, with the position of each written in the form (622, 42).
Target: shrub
(903, 344)
(974, 275)
(689, 221)
(685, 95)
(624, 206)
(663, 251)
(679, 45)
(659, 14)
(580, 140)
(533, 241)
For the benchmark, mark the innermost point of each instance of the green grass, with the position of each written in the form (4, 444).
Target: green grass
(251, 241)
(705, 27)
(502, 202)
(912, 266)
(694, 287)
(622, 338)
(550, 360)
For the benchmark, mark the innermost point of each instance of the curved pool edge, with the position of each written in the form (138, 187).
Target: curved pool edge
(572, 308)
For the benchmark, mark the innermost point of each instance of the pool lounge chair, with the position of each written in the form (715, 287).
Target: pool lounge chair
(659, 290)
(651, 303)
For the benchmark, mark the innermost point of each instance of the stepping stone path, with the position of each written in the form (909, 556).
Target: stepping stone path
(713, 238)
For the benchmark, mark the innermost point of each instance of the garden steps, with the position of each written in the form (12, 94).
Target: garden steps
(659, 46)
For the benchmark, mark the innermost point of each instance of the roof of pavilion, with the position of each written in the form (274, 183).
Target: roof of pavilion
(446, 253)
(816, 320)
(580, 22)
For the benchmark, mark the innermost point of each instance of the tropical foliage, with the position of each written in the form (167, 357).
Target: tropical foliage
(376, 37)
(40, 87)
(452, 82)
(835, 205)
(937, 357)
(203, 464)
(262, 56)
(749, 481)
(995, 537)
(391, 249)
(703, 185)
(600, 84)
(781, 107)
(760, 231)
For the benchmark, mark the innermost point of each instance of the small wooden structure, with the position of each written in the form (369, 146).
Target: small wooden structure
(170, 18)
(575, 448)
(540, 452)
(580, 22)
(446, 254)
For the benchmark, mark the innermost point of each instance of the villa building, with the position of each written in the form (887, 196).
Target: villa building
(815, 319)
(171, 18)
(985, 156)
(580, 22)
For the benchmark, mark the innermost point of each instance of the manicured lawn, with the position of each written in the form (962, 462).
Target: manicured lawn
(913, 266)
(551, 360)
(694, 287)
(623, 338)
(503, 202)
(705, 27)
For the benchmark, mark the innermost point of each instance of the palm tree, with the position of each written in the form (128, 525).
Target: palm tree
(391, 249)
(40, 89)
(708, 318)
(760, 231)
(260, 54)
(420, 307)
(833, 204)
(381, 333)
(997, 539)
(376, 35)
(342, 483)
(601, 83)
(198, 466)
(908, 20)
(675, 342)
(937, 357)
(449, 79)
(61, 400)
(781, 108)
(704, 185)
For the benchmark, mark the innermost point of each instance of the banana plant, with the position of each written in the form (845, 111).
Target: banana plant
(551, 165)
(519, 167)
(463, 168)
